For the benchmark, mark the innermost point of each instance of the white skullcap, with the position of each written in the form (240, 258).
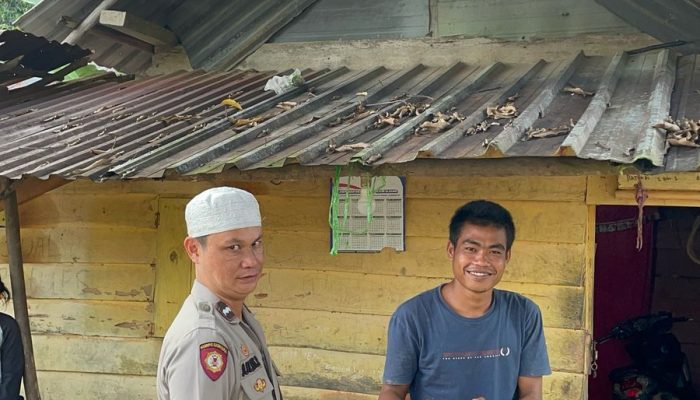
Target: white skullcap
(221, 209)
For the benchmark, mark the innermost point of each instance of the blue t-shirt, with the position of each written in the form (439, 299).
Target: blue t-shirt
(445, 356)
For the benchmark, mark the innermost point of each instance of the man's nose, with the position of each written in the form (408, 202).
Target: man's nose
(251, 258)
(481, 255)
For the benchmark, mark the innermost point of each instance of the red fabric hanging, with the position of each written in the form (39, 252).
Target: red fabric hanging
(622, 289)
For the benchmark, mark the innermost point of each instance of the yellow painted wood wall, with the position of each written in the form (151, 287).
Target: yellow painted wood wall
(98, 254)
(90, 273)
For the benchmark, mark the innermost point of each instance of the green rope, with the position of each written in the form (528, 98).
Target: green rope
(340, 228)
(333, 212)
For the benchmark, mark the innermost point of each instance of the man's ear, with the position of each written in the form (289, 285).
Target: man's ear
(450, 250)
(193, 249)
(508, 253)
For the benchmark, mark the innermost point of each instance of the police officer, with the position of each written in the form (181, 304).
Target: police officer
(215, 349)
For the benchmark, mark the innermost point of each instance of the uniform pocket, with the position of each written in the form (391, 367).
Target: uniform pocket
(257, 385)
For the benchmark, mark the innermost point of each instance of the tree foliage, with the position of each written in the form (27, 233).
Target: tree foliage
(10, 10)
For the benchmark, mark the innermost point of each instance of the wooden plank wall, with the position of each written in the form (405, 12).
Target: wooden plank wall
(92, 250)
(676, 279)
(90, 267)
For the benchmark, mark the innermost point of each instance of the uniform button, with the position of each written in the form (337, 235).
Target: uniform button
(204, 307)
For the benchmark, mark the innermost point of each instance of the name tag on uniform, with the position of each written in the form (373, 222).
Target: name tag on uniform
(250, 365)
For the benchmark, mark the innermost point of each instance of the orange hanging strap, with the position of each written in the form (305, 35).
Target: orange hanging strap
(640, 196)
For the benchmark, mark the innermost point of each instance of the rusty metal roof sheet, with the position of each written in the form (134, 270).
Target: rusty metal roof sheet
(23, 56)
(216, 35)
(175, 124)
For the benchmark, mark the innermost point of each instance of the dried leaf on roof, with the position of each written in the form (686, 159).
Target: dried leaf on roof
(357, 114)
(286, 105)
(533, 133)
(107, 159)
(404, 110)
(242, 124)
(121, 116)
(577, 91)
(232, 103)
(507, 110)
(482, 126)
(52, 118)
(385, 119)
(177, 118)
(66, 127)
(374, 158)
(313, 118)
(440, 122)
(346, 147)
(685, 132)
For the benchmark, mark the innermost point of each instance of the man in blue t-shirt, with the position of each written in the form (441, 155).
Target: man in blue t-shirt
(465, 340)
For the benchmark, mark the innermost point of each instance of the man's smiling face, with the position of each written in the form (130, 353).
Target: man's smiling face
(479, 257)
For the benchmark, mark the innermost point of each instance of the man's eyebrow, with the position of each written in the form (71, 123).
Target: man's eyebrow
(476, 242)
(239, 241)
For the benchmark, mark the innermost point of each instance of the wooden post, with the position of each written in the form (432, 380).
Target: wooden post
(88, 22)
(19, 293)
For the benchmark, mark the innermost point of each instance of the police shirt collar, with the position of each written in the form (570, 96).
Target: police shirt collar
(202, 293)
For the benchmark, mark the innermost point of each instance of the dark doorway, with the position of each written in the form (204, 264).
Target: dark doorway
(663, 276)
(623, 281)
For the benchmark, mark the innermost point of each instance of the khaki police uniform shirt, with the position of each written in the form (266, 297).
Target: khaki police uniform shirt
(210, 354)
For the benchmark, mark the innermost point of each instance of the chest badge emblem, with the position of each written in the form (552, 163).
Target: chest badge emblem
(260, 385)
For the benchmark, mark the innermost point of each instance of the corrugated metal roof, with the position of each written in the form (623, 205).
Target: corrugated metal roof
(216, 35)
(361, 19)
(23, 56)
(176, 124)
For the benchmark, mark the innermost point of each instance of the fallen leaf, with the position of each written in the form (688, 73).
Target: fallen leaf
(52, 118)
(383, 120)
(667, 126)
(574, 90)
(232, 103)
(310, 120)
(335, 122)
(177, 117)
(434, 127)
(351, 147)
(548, 132)
(106, 160)
(286, 105)
(372, 159)
(507, 110)
(682, 142)
(247, 121)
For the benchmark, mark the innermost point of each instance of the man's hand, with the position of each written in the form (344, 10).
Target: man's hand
(393, 392)
(530, 387)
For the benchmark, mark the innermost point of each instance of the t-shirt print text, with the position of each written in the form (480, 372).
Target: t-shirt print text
(474, 355)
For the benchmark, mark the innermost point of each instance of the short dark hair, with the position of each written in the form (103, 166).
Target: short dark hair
(482, 213)
(4, 293)
(202, 240)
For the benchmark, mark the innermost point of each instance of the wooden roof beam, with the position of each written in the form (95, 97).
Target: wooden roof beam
(137, 27)
(88, 22)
